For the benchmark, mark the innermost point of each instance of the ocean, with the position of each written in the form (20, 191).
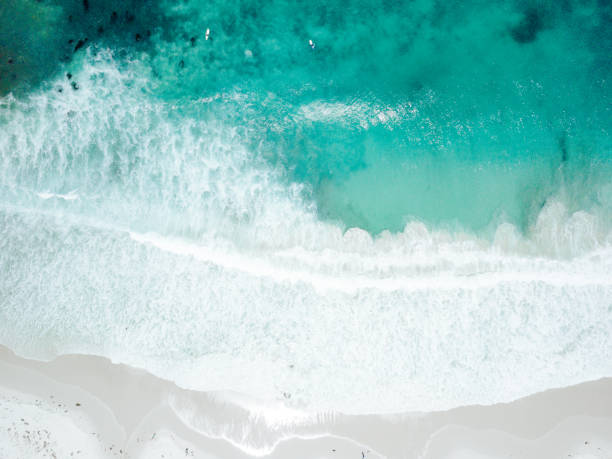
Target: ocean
(358, 206)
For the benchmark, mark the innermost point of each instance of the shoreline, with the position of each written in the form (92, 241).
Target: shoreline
(102, 409)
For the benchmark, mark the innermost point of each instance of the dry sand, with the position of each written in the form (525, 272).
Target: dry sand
(86, 406)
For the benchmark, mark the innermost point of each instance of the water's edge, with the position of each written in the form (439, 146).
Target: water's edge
(142, 407)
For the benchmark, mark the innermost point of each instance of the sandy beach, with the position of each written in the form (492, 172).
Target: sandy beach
(87, 406)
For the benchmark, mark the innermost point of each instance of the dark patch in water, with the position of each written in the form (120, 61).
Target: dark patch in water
(563, 147)
(80, 44)
(526, 31)
(44, 40)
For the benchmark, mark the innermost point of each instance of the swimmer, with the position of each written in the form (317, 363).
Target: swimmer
(311, 43)
(207, 34)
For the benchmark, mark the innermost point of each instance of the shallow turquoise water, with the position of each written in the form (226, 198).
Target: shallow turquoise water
(426, 190)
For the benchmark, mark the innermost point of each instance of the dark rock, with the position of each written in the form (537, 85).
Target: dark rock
(80, 44)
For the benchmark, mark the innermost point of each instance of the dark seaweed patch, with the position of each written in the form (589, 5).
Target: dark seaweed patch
(563, 148)
(526, 31)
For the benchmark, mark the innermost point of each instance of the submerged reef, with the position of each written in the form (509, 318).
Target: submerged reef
(38, 37)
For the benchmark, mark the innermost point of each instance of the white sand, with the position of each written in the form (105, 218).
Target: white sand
(86, 406)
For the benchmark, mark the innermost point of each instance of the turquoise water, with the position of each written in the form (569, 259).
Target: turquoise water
(425, 186)
(451, 114)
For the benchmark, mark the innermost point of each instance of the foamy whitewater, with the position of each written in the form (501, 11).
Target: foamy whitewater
(357, 226)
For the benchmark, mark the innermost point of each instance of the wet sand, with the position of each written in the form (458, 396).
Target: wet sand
(87, 406)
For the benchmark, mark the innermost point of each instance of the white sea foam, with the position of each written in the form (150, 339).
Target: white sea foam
(190, 256)
(71, 196)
